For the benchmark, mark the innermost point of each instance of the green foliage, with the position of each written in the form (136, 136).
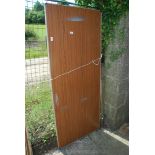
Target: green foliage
(30, 35)
(39, 29)
(27, 15)
(38, 6)
(111, 10)
(41, 17)
(63, 2)
(36, 15)
(36, 45)
(40, 119)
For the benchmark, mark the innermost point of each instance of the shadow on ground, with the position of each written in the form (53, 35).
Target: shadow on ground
(96, 143)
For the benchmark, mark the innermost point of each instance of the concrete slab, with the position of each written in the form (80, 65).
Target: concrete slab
(96, 143)
(107, 144)
(83, 146)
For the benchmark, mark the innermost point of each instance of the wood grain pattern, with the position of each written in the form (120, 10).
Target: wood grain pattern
(78, 102)
(28, 149)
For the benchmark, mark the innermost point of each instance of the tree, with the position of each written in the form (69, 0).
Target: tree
(27, 16)
(41, 17)
(36, 15)
(38, 6)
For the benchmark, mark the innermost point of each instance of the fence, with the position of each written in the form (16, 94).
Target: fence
(38, 103)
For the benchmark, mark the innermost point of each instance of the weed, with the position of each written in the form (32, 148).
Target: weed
(39, 113)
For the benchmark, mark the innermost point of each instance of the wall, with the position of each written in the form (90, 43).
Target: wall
(115, 76)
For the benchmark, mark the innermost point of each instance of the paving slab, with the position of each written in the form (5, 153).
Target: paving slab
(36, 61)
(96, 143)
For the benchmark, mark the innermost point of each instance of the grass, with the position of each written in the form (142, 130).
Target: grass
(39, 113)
(36, 52)
(38, 47)
(39, 110)
(39, 29)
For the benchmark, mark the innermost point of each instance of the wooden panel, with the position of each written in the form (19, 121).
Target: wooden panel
(78, 93)
(28, 149)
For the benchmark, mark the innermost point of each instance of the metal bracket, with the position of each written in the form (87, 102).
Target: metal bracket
(51, 38)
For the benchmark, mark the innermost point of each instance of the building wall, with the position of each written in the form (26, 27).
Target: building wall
(115, 77)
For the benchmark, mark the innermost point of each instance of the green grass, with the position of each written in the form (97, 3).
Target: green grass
(39, 29)
(37, 48)
(40, 119)
(31, 53)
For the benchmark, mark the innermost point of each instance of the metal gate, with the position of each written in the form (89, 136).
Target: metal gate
(74, 52)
